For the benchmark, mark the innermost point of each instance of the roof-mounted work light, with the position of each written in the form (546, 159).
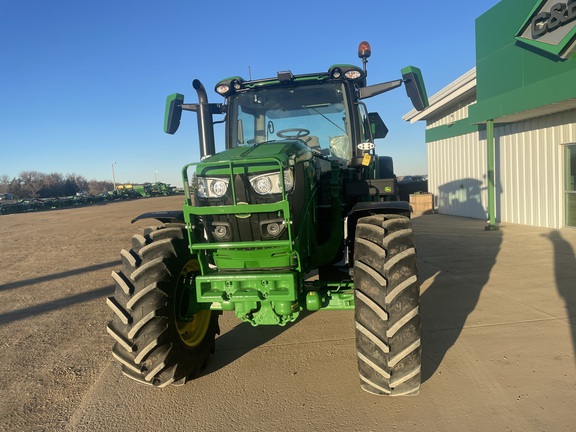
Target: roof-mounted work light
(349, 72)
(229, 86)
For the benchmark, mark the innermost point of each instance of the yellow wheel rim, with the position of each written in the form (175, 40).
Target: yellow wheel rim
(192, 332)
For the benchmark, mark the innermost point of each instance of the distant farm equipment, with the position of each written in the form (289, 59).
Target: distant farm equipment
(143, 190)
(122, 192)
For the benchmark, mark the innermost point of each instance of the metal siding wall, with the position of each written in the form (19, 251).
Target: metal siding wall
(529, 169)
(452, 114)
(456, 168)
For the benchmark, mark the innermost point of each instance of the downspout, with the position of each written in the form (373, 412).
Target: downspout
(491, 223)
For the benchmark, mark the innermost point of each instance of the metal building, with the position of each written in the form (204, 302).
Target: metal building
(501, 139)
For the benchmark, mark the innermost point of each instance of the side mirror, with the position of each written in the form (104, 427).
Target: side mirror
(377, 126)
(173, 113)
(415, 89)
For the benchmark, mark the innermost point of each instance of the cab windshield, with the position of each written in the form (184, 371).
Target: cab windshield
(315, 114)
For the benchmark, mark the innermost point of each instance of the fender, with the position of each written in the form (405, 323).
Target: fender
(367, 208)
(162, 216)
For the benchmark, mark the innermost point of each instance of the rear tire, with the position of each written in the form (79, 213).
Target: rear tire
(152, 345)
(387, 298)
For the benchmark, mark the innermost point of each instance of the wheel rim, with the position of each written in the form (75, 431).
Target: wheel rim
(191, 332)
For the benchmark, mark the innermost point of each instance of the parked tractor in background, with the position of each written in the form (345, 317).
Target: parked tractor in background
(144, 190)
(297, 191)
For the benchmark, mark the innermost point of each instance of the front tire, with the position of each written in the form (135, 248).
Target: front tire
(387, 298)
(154, 344)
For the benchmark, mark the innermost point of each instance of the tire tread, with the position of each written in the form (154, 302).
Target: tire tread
(388, 323)
(147, 345)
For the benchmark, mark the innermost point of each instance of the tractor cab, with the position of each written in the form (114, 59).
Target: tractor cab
(315, 109)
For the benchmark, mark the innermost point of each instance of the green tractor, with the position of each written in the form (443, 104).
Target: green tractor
(296, 214)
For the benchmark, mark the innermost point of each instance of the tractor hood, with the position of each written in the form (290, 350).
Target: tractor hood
(287, 152)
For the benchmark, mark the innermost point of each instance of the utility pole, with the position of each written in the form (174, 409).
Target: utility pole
(114, 176)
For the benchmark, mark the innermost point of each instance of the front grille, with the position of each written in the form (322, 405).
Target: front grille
(245, 227)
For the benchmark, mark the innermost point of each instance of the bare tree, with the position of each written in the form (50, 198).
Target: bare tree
(34, 184)
(4, 184)
(31, 183)
(52, 185)
(96, 187)
(79, 181)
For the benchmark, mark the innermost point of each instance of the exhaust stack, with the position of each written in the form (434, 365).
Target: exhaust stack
(205, 124)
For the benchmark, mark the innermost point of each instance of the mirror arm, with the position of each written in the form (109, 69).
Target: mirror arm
(189, 107)
(376, 89)
(215, 108)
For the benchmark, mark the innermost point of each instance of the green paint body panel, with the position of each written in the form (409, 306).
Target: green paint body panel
(170, 100)
(281, 150)
(511, 76)
(418, 76)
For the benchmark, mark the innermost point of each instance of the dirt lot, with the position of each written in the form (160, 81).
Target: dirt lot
(499, 317)
(55, 276)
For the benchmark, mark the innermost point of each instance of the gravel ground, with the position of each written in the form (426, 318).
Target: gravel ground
(55, 276)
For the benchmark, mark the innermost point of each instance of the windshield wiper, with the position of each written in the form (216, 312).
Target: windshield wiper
(338, 126)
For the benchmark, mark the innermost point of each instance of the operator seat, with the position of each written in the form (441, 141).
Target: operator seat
(341, 147)
(312, 142)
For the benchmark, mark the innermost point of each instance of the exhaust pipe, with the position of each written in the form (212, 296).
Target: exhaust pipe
(205, 124)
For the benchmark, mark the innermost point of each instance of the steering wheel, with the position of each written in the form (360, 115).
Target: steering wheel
(293, 133)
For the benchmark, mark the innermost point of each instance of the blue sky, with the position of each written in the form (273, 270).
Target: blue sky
(83, 84)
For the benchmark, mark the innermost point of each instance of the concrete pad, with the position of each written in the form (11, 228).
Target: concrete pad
(498, 353)
(499, 337)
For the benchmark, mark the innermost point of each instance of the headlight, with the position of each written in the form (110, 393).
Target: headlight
(264, 184)
(209, 187)
(288, 181)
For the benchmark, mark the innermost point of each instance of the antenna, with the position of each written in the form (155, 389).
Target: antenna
(249, 73)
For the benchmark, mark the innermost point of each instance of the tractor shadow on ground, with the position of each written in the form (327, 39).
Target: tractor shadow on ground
(243, 338)
(60, 275)
(455, 262)
(60, 303)
(565, 275)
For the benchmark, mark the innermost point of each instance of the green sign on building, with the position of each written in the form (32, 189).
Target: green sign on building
(550, 27)
(524, 57)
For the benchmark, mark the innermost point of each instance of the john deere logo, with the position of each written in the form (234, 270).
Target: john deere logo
(551, 27)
